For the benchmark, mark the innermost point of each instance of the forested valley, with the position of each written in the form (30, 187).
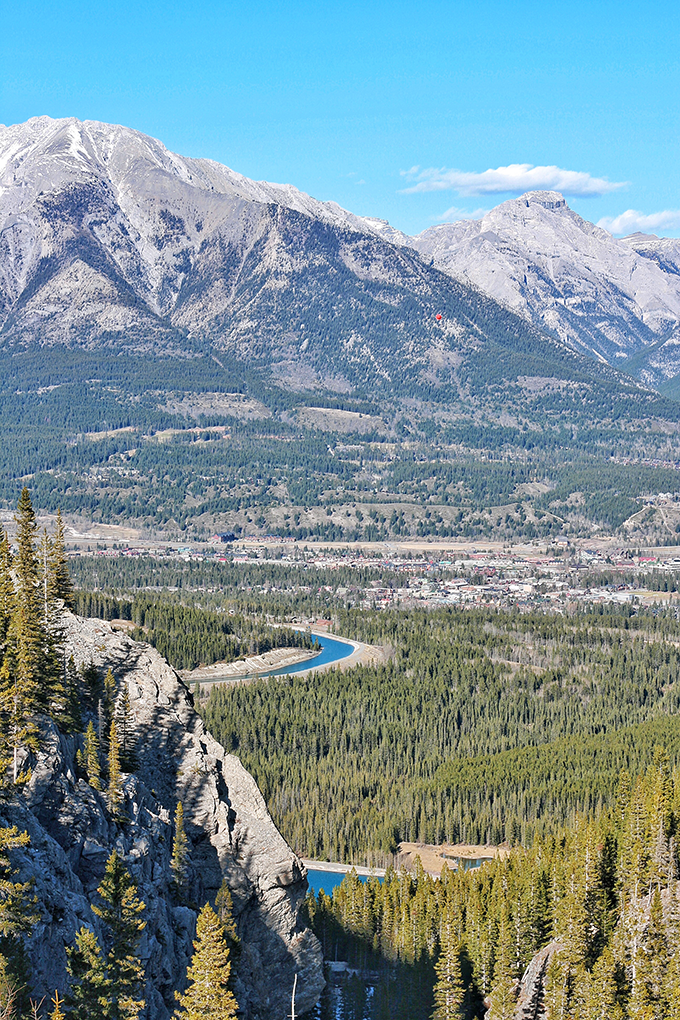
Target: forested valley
(485, 726)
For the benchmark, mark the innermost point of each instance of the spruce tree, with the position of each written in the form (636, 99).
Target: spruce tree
(672, 979)
(114, 793)
(119, 911)
(53, 671)
(60, 584)
(108, 701)
(88, 996)
(224, 905)
(128, 757)
(649, 999)
(73, 718)
(91, 756)
(17, 904)
(92, 685)
(504, 989)
(207, 996)
(558, 989)
(21, 694)
(449, 992)
(6, 593)
(57, 1012)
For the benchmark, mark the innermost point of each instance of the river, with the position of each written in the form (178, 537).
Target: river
(332, 650)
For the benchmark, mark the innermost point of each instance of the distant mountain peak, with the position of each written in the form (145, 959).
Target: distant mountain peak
(552, 200)
(608, 297)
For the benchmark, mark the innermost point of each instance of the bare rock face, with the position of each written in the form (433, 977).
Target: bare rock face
(602, 295)
(231, 836)
(532, 986)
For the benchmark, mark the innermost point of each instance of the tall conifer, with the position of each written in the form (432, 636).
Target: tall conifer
(119, 910)
(91, 756)
(20, 687)
(449, 991)
(180, 852)
(60, 584)
(504, 990)
(88, 996)
(208, 996)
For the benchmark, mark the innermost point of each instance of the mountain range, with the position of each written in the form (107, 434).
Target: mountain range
(108, 240)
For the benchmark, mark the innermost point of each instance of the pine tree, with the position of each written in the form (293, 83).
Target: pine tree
(128, 757)
(224, 906)
(672, 980)
(17, 904)
(596, 993)
(119, 911)
(207, 996)
(108, 702)
(649, 999)
(88, 996)
(91, 755)
(73, 718)
(180, 851)
(53, 672)
(114, 793)
(6, 593)
(57, 1012)
(20, 689)
(92, 685)
(558, 989)
(449, 992)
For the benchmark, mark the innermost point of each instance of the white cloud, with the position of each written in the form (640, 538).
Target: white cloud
(516, 178)
(631, 220)
(454, 214)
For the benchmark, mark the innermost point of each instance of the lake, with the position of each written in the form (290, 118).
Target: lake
(326, 880)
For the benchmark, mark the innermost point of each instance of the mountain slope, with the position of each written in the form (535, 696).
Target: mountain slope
(609, 298)
(110, 240)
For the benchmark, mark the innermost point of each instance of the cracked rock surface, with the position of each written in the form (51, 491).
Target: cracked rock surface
(231, 835)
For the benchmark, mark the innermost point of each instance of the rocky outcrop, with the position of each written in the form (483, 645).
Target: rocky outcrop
(532, 985)
(531, 991)
(231, 836)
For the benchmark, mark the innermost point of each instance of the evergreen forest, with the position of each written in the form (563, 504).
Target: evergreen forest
(584, 924)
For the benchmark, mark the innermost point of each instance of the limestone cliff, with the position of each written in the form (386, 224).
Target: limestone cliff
(231, 835)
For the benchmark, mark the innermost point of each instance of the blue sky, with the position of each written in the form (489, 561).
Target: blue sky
(344, 99)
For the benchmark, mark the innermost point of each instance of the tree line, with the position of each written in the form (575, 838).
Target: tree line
(189, 636)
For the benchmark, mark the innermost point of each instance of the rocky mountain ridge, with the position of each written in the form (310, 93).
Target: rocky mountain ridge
(110, 241)
(231, 835)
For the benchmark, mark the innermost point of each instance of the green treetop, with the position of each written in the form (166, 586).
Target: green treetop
(91, 756)
(448, 990)
(114, 793)
(59, 578)
(88, 997)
